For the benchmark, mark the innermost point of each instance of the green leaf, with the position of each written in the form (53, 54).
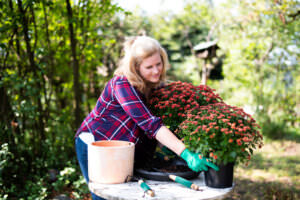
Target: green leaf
(251, 151)
(225, 160)
(4, 28)
(233, 154)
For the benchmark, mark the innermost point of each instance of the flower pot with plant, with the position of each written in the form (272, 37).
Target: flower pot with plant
(224, 133)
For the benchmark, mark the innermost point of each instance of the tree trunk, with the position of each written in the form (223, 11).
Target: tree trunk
(75, 64)
(49, 71)
(33, 68)
(204, 73)
(32, 63)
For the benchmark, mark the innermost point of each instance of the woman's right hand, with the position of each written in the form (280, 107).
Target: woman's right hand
(197, 162)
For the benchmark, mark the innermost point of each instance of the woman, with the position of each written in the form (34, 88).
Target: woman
(121, 113)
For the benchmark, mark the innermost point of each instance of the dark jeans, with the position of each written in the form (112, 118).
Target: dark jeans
(82, 157)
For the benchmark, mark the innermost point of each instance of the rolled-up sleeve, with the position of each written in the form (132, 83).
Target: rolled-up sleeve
(132, 104)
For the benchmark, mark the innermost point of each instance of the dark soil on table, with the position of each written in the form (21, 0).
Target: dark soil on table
(172, 165)
(174, 168)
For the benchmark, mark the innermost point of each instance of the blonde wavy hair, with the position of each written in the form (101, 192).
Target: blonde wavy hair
(136, 49)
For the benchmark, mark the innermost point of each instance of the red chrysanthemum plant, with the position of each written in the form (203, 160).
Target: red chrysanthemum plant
(175, 99)
(221, 132)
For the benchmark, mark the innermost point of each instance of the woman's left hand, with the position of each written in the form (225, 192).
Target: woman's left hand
(197, 162)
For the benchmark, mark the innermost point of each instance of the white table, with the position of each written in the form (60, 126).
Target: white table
(163, 191)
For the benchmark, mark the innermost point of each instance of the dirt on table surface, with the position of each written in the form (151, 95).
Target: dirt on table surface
(174, 168)
(172, 165)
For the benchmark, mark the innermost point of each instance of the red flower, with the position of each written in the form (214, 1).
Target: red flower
(225, 120)
(239, 142)
(189, 115)
(246, 139)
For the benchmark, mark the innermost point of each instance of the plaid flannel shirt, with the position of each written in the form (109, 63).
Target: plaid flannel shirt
(120, 114)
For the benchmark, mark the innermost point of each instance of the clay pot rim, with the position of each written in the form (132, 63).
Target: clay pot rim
(122, 144)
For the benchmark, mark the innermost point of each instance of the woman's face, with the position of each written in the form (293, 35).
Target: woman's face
(151, 68)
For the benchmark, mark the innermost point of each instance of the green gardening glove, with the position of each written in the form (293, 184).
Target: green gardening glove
(197, 162)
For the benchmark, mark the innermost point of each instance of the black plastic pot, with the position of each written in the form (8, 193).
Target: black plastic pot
(157, 170)
(164, 176)
(220, 179)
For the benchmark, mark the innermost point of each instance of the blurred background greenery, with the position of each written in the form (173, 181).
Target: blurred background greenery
(56, 56)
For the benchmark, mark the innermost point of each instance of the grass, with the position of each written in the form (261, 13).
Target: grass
(273, 173)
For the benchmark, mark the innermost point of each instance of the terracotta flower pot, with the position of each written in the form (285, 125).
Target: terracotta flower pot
(110, 161)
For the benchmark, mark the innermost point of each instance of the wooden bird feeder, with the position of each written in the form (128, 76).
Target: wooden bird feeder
(206, 51)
